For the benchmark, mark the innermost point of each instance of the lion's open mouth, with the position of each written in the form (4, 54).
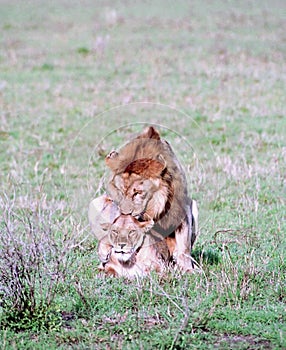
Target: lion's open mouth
(139, 217)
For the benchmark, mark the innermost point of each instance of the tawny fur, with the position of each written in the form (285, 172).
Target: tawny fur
(147, 181)
(151, 256)
(163, 166)
(149, 252)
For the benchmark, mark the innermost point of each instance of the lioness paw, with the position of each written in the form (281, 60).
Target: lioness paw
(185, 263)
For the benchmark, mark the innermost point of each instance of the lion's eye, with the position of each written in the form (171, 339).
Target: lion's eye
(136, 193)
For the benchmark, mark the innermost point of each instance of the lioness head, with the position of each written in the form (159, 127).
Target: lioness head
(126, 236)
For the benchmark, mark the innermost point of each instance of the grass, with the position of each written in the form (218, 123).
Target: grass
(77, 79)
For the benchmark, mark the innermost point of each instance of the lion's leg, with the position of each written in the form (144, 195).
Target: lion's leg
(195, 221)
(185, 236)
(181, 255)
(104, 249)
(102, 211)
(110, 271)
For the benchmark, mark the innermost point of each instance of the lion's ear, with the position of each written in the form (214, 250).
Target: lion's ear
(150, 133)
(111, 159)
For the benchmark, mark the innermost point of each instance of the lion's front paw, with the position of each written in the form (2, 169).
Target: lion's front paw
(186, 263)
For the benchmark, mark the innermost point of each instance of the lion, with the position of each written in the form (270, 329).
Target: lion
(127, 247)
(148, 183)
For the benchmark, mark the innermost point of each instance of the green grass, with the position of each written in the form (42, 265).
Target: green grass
(78, 79)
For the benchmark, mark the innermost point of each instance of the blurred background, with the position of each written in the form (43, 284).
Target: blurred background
(74, 72)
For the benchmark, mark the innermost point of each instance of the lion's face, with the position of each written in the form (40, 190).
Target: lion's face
(140, 191)
(126, 235)
(134, 193)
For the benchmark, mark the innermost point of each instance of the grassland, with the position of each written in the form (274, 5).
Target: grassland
(78, 79)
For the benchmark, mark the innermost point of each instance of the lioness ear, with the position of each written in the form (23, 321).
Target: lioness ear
(105, 226)
(150, 133)
(147, 225)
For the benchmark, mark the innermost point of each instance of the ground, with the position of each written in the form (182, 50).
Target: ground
(79, 79)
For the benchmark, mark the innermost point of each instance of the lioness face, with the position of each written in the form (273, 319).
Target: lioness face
(134, 192)
(126, 235)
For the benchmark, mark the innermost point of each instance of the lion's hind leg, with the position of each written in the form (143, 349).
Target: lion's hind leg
(185, 236)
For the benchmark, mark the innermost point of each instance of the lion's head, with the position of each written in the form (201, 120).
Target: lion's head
(140, 191)
(126, 235)
(147, 181)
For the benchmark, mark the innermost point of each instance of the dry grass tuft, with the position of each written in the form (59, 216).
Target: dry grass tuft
(36, 259)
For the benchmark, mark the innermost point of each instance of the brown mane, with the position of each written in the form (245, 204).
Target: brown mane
(145, 167)
(143, 155)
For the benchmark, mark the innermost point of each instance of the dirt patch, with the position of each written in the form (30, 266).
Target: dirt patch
(241, 342)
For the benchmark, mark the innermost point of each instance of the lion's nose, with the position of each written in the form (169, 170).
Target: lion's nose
(122, 245)
(126, 207)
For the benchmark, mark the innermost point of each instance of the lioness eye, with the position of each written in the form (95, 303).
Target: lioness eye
(132, 233)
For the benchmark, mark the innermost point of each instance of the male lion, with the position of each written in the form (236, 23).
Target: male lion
(125, 247)
(148, 183)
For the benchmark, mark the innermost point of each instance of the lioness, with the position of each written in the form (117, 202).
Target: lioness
(130, 250)
(126, 247)
(148, 182)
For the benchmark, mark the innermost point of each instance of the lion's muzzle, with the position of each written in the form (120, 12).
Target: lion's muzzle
(126, 207)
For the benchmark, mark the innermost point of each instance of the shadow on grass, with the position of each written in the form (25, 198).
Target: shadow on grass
(207, 256)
